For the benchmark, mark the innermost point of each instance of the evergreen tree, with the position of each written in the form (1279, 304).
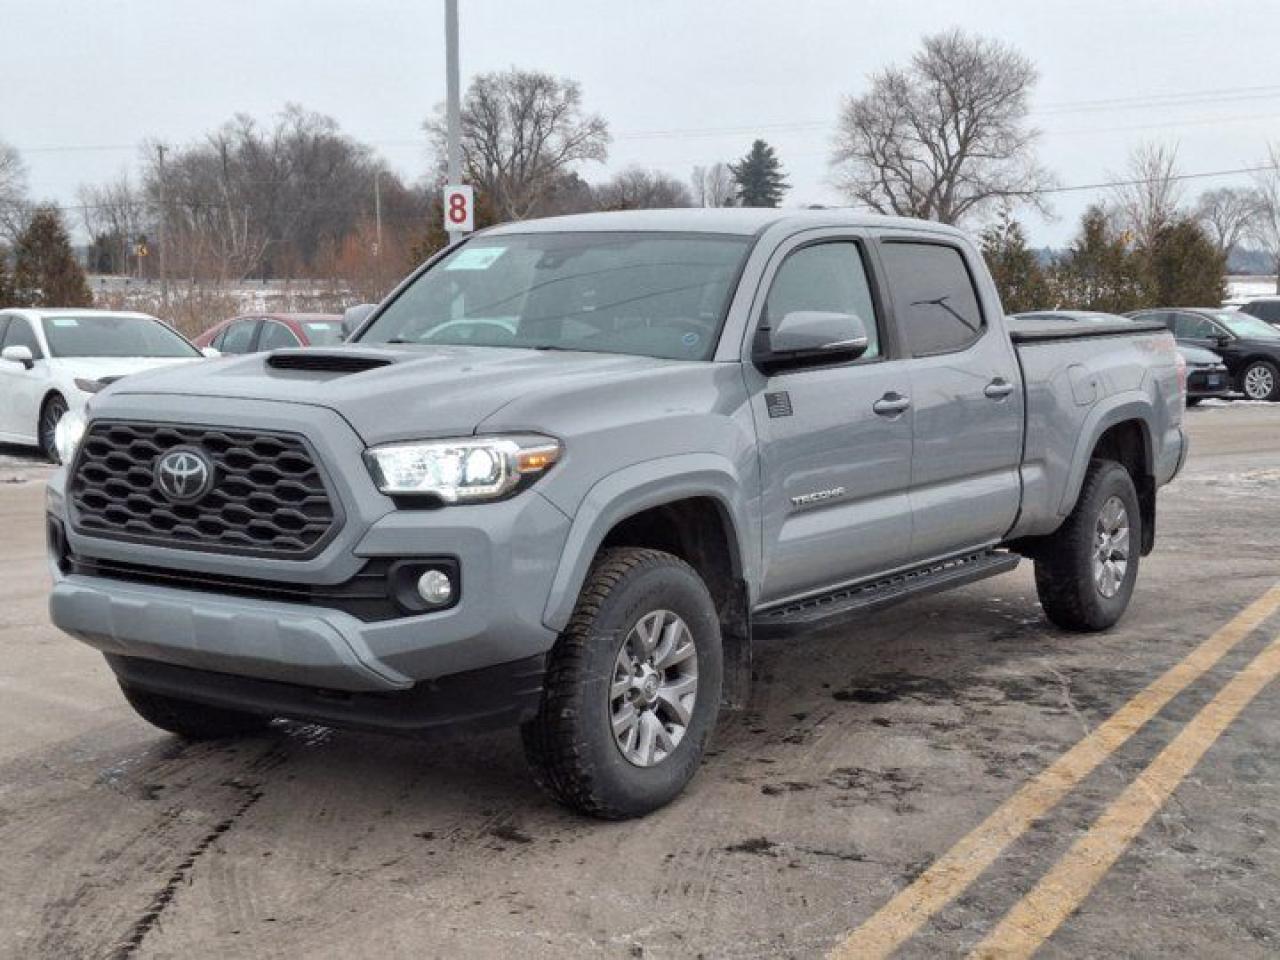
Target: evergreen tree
(759, 176)
(1184, 268)
(46, 273)
(1099, 272)
(1016, 270)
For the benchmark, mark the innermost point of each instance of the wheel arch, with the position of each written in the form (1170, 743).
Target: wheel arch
(691, 506)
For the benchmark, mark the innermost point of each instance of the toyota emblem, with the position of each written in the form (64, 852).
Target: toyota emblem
(184, 474)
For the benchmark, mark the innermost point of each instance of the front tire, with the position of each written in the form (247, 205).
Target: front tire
(1261, 381)
(53, 410)
(1086, 571)
(632, 688)
(190, 720)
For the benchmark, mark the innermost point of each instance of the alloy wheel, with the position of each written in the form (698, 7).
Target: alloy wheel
(654, 688)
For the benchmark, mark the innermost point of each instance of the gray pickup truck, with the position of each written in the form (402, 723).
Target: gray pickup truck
(570, 469)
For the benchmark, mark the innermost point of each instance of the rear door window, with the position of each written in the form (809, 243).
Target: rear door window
(934, 297)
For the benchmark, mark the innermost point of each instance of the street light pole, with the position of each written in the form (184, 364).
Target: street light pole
(453, 113)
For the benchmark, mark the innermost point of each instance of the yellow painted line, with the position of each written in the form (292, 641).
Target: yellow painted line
(1063, 889)
(899, 919)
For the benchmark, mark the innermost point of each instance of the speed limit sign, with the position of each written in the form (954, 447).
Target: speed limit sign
(459, 208)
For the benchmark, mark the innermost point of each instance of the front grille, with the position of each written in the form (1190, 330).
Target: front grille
(382, 589)
(368, 596)
(268, 497)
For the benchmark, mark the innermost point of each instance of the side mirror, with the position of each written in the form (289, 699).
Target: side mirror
(1221, 339)
(210, 352)
(18, 354)
(352, 317)
(807, 334)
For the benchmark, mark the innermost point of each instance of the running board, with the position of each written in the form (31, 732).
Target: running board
(823, 609)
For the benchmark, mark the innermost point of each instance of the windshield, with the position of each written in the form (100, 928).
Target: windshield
(323, 333)
(653, 294)
(107, 336)
(1244, 325)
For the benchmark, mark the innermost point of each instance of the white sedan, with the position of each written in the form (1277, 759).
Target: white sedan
(52, 361)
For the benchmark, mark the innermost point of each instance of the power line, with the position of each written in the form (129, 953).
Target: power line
(1176, 177)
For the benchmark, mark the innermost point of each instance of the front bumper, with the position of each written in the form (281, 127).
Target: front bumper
(507, 553)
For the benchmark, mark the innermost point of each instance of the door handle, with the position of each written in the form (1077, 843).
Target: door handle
(998, 389)
(891, 404)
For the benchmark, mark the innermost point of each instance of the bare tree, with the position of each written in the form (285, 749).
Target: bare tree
(713, 186)
(945, 136)
(14, 210)
(1150, 196)
(638, 189)
(521, 131)
(1265, 229)
(1227, 215)
(114, 216)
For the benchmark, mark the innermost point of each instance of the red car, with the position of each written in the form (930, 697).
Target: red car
(271, 331)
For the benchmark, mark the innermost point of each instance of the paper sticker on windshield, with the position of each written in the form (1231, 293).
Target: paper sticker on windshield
(64, 321)
(475, 258)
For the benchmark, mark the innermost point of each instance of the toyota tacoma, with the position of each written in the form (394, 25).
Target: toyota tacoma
(569, 470)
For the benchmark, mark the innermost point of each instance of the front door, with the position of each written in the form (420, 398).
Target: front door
(835, 447)
(21, 388)
(966, 394)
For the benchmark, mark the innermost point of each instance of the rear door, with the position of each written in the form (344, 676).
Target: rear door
(834, 470)
(964, 387)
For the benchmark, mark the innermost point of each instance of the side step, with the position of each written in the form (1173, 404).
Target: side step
(823, 609)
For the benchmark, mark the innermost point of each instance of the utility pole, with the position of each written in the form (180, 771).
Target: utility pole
(453, 117)
(377, 213)
(164, 234)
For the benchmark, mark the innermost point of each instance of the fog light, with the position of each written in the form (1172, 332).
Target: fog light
(435, 587)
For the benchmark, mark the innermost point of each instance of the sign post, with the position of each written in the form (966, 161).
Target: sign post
(457, 199)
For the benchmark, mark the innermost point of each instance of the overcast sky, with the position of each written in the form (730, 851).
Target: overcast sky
(681, 83)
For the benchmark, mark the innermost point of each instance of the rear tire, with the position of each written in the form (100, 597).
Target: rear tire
(53, 410)
(603, 742)
(1086, 571)
(192, 721)
(1194, 401)
(1260, 380)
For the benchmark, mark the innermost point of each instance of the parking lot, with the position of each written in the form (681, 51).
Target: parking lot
(892, 786)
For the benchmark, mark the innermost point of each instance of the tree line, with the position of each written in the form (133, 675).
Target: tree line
(946, 136)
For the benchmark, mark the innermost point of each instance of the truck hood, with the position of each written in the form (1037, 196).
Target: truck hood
(407, 392)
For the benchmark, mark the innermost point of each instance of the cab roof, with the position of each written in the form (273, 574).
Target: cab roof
(745, 221)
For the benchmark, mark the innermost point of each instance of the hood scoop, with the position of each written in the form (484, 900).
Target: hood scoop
(343, 362)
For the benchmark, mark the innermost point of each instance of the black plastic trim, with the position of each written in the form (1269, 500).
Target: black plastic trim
(489, 698)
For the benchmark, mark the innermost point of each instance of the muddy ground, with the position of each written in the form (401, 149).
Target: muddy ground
(865, 754)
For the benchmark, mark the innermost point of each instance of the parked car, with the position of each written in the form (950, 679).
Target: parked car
(704, 425)
(1264, 308)
(1207, 375)
(51, 361)
(273, 331)
(1250, 347)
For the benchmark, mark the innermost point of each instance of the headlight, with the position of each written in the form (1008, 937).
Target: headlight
(479, 468)
(89, 386)
(67, 435)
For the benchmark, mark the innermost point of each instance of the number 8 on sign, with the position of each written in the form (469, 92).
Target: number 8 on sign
(459, 208)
